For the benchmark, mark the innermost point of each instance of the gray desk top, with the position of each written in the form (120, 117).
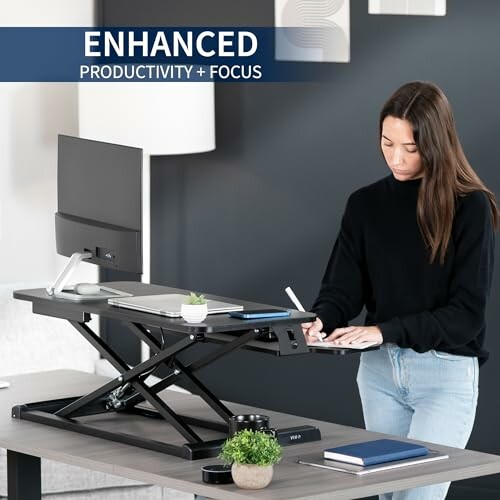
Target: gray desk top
(291, 480)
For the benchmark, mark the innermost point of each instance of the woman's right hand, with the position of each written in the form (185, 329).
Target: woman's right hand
(312, 331)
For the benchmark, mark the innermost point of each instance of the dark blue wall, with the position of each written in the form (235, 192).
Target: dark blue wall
(263, 210)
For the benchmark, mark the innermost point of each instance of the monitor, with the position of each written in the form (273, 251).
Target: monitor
(99, 204)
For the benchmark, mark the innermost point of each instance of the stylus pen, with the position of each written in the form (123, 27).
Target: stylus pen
(300, 307)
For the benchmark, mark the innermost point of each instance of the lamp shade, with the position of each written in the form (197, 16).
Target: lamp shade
(162, 118)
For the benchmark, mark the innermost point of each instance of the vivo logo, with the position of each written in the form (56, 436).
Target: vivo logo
(295, 437)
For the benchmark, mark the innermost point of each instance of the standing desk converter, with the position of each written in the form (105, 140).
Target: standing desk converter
(129, 394)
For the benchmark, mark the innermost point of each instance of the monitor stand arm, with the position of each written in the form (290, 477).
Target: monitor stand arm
(66, 273)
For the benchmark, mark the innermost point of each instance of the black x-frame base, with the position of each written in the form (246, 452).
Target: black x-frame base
(129, 389)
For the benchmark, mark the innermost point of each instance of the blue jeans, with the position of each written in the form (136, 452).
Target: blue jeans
(429, 396)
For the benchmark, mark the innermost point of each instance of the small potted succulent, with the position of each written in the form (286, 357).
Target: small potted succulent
(252, 455)
(195, 309)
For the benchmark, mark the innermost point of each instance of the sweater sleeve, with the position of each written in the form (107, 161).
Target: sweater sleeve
(457, 322)
(341, 293)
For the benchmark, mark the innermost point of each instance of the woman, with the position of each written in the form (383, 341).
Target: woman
(416, 249)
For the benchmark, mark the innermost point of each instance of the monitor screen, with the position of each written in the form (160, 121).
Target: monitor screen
(99, 181)
(99, 192)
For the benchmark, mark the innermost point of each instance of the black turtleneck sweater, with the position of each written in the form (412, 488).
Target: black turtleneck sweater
(380, 261)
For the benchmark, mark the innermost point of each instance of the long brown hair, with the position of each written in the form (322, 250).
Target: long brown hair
(447, 173)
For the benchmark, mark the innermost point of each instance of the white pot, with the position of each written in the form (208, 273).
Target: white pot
(194, 313)
(251, 476)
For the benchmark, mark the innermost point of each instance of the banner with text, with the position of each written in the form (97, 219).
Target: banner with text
(158, 54)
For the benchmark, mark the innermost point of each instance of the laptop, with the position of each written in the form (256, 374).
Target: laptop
(168, 304)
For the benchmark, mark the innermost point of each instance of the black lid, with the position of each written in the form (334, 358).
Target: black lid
(217, 474)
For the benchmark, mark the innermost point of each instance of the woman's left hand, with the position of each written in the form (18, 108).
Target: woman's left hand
(355, 335)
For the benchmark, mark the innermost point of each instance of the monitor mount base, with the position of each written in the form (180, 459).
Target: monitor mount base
(60, 290)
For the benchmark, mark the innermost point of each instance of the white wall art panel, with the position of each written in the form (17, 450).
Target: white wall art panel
(408, 7)
(316, 30)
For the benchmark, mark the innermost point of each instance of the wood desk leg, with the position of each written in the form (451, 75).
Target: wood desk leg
(24, 479)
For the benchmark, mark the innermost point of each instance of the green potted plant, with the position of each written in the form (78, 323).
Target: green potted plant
(252, 455)
(195, 309)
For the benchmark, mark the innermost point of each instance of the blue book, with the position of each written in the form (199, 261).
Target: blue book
(375, 452)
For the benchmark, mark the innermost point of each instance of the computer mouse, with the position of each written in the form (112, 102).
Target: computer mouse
(87, 289)
(4, 384)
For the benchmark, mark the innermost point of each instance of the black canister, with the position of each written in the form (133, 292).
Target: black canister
(254, 422)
